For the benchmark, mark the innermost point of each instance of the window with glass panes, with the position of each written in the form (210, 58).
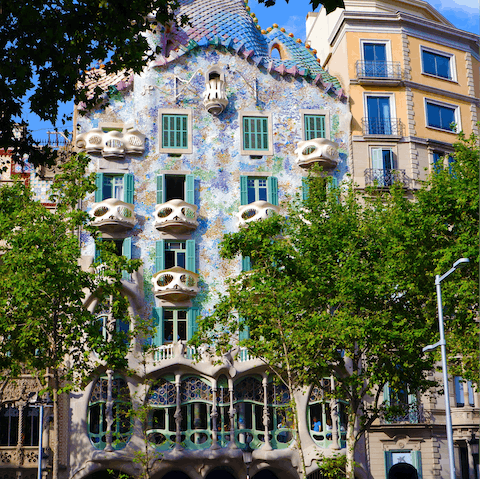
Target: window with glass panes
(113, 187)
(314, 126)
(174, 325)
(9, 426)
(441, 116)
(120, 187)
(175, 254)
(257, 189)
(175, 131)
(255, 133)
(437, 64)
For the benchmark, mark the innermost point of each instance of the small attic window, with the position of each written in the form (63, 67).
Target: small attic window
(213, 75)
(275, 53)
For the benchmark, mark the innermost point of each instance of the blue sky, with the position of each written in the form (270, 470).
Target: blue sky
(464, 14)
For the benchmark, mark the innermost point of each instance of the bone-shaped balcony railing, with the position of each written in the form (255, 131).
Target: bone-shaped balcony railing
(258, 210)
(111, 144)
(176, 216)
(175, 284)
(214, 96)
(113, 212)
(318, 150)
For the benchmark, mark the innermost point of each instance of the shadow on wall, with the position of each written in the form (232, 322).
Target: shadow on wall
(402, 471)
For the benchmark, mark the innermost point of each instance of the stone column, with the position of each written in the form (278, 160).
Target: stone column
(266, 417)
(178, 414)
(232, 415)
(335, 417)
(109, 412)
(214, 416)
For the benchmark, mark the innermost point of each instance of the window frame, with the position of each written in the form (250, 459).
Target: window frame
(392, 106)
(442, 104)
(324, 113)
(188, 186)
(128, 185)
(272, 187)
(452, 63)
(247, 152)
(158, 320)
(415, 455)
(175, 111)
(387, 43)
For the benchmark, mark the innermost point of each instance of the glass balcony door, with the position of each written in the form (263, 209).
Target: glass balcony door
(375, 58)
(379, 115)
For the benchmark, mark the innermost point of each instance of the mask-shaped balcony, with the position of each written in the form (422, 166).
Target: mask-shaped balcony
(318, 150)
(113, 215)
(176, 216)
(112, 144)
(214, 96)
(258, 210)
(175, 284)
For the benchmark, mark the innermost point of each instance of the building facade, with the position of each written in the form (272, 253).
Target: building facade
(412, 81)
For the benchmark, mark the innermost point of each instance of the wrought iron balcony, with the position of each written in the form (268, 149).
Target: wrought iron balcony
(413, 414)
(175, 284)
(386, 177)
(378, 70)
(382, 126)
(317, 150)
(176, 216)
(113, 214)
(258, 210)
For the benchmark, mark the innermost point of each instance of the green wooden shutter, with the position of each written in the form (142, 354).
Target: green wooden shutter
(314, 126)
(388, 462)
(245, 333)
(190, 250)
(246, 263)
(305, 189)
(191, 322)
(244, 190)
(157, 323)
(97, 255)
(272, 190)
(160, 189)
(386, 394)
(127, 252)
(417, 462)
(175, 131)
(128, 185)
(160, 255)
(99, 185)
(190, 189)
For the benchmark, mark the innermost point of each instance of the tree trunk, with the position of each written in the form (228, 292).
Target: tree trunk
(350, 467)
(55, 425)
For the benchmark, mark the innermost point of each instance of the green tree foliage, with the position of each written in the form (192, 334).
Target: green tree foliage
(48, 46)
(345, 287)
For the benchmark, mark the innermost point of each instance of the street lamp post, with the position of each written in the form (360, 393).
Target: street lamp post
(438, 280)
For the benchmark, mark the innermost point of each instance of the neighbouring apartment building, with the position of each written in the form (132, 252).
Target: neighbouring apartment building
(413, 81)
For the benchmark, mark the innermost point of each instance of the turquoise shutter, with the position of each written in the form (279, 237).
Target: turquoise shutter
(244, 190)
(305, 189)
(191, 322)
(190, 250)
(314, 126)
(159, 255)
(127, 252)
(157, 323)
(128, 185)
(99, 185)
(245, 333)
(388, 462)
(190, 189)
(417, 462)
(272, 190)
(377, 159)
(386, 394)
(160, 195)
(246, 263)
(97, 256)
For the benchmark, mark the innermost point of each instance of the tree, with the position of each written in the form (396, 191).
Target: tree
(329, 295)
(44, 327)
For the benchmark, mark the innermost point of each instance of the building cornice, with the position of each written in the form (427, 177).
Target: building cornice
(439, 91)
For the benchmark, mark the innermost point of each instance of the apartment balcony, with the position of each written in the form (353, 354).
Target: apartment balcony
(258, 210)
(175, 284)
(378, 73)
(113, 215)
(176, 216)
(413, 414)
(384, 178)
(317, 151)
(215, 97)
(382, 127)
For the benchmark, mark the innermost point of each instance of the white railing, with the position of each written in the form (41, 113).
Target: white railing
(114, 212)
(244, 356)
(176, 284)
(255, 211)
(174, 350)
(215, 96)
(318, 150)
(111, 144)
(177, 216)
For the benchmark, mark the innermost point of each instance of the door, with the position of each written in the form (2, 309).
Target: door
(378, 112)
(375, 60)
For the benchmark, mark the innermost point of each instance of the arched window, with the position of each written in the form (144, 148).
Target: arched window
(319, 417)
(162, 399)
(97, 414)
(249, 404)
(223, 410)
(196, 407)
(280, 414)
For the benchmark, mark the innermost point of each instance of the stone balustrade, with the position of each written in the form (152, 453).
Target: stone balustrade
(176, 216)
(113, 214)
(258, 210)
(175, 284)
(318, 150)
